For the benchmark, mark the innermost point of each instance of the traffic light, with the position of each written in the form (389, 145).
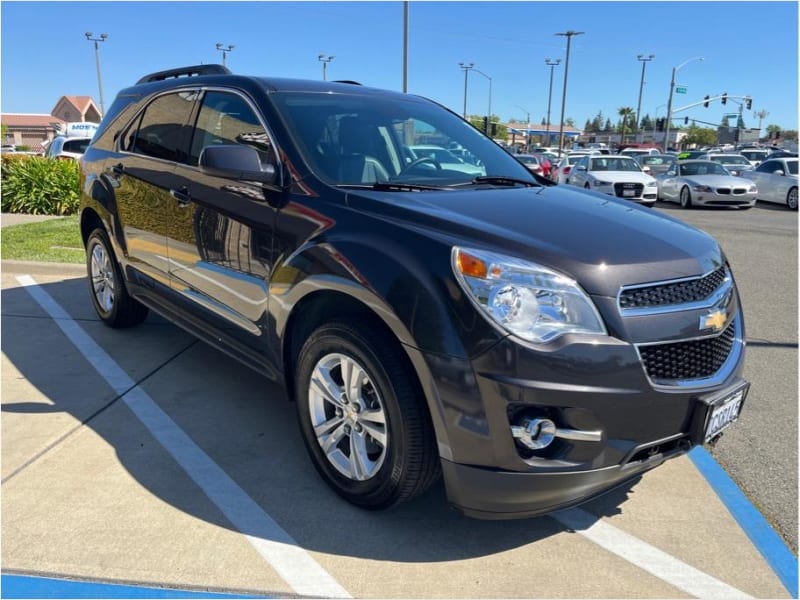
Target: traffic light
(660, 124)
(724, 98)
(486, 125)
(705, 104)
(749, 103)
(685, 120)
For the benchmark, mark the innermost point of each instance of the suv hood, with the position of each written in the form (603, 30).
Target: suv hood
(601, 242)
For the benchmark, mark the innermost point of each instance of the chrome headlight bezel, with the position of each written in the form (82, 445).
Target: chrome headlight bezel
(523, 298)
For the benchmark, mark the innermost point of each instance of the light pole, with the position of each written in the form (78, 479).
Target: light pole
(762, 114)
(489, 116)
(466, 68)
(552, 64)
(325, 60)
(405, 47)
(655, 122)
(644, 59)
(102, 38)
(225, 49)
(568, 35)
(669, 102)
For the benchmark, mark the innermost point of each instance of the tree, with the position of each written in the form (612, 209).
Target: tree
(588, 126)
(607, 126)
(625, 112)
(3, 131)
(646, 123)
(569, 121)
(772, 129)
(700, 136)
(597, 122)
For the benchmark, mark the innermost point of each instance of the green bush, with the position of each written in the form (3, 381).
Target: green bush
(39, 186)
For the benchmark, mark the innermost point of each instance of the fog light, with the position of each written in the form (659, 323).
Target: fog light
(534, 433)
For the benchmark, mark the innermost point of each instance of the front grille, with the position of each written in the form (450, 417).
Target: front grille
(739, 191)
(621, 188)
(681, 292)
(695, 359)
(723, 191)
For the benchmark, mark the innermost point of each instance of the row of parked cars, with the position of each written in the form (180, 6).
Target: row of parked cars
(694, 178)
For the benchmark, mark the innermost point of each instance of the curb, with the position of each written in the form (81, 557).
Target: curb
(44, 268)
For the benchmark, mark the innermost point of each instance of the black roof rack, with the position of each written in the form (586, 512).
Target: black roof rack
(350, 81)
(185, 72)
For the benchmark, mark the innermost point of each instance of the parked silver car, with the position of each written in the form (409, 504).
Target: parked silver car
(736, 164)
(705, 183)
(776, 180)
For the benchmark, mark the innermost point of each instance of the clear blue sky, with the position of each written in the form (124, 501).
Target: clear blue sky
(748, 47)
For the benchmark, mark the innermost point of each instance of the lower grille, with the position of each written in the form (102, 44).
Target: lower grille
(694, 359)
(623, 190)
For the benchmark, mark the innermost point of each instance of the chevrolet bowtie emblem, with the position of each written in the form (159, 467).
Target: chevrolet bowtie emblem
(715, 320)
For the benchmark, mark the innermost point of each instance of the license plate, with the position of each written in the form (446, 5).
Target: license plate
(628, 192)
(724, 413)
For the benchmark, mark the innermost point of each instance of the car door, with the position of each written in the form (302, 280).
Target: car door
(141, 171)
(669, 182)
(221, 260)
(767, 182)
(578, 173)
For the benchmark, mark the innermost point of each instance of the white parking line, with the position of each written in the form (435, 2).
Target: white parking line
(297, 568)
(647, 557)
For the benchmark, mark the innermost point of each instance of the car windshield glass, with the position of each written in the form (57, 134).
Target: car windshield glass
(703, 168)
(616, 163)
(357, 139)
(731, 160)
(753, 155)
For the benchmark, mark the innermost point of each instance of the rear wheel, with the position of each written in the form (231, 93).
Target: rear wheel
(364, 423)
(686, 197)
(791, 199)
(110, 298)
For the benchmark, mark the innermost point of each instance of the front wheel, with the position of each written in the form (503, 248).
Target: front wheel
(791, 199)
(686, 198)
(363, 420)
(110, 298)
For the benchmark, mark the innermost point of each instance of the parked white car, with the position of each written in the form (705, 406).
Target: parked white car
(705, 183)
(735, 163)
(776, 180)
(66, 148)
(615, 175)
(755, 155)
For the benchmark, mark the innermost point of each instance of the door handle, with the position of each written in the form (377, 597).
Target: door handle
(182, 196)
(118, 169)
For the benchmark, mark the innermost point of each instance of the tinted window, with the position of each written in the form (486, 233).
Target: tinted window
(792, 164)
(769, 166)
(162, 128)
(78, 146)
(226, 119)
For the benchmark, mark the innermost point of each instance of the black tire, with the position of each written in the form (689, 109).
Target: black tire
(686, 197)
(400, 459)
(791, 199)
(586, 186)
(107, 288)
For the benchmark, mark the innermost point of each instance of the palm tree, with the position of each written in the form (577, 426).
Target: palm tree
(625, 112)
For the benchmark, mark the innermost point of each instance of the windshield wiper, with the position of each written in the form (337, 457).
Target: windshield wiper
(393, 186)
(502, 180)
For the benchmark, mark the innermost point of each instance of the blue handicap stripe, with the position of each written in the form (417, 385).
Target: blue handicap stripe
(24, 586)
(764, 538)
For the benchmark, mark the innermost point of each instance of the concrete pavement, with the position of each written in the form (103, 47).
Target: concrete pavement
(95, 489)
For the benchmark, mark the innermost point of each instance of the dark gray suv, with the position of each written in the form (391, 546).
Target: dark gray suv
(534, 345)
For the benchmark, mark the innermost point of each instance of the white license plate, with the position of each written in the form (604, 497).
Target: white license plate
(724, 413)
(629, 192)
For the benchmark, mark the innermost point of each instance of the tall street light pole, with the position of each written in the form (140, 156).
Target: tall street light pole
(568, 34)
(325, 60)
(225, 49)
(669, 102)
(405, 46)
(644, 59)
(102, 38)
(489, 116)
(552, 64)
(466, 68)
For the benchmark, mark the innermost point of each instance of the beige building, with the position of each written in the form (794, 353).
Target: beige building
(34, 130)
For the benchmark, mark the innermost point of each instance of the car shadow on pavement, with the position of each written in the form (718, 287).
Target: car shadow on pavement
(239, 419)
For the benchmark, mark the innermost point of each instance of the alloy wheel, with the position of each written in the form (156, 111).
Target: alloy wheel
(103, 280)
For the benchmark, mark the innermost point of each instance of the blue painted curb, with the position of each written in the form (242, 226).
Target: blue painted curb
(764, 538)
(23, 586)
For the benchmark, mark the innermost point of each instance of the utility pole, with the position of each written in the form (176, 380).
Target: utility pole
(644, 59)
(225, 50)
(669, 102)
(552, 64)
(466, 68)
(568, 34)
(102, 38)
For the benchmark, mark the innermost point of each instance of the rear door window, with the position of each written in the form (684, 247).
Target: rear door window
(162, 131)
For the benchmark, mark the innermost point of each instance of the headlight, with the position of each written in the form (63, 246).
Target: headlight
(752, 189)
(601, 183)
(525, 299)
(701, 188)
(653, 183)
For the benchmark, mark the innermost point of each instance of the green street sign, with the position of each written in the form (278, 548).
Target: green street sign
(680, 90)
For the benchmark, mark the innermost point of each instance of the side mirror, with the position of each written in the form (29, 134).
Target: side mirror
(581, 168)
(235, 161)
(779, 172)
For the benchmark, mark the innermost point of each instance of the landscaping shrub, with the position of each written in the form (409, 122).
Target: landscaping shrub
(39, 186)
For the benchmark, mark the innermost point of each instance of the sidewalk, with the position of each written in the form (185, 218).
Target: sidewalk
(8, 219)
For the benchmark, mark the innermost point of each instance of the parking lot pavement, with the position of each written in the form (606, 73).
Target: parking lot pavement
(145, 457)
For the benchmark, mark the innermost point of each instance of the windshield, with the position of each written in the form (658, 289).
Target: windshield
(617, 163)
(365, 139)
(753, 154)
(657, 160)
(702, 168)
(730, 160)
